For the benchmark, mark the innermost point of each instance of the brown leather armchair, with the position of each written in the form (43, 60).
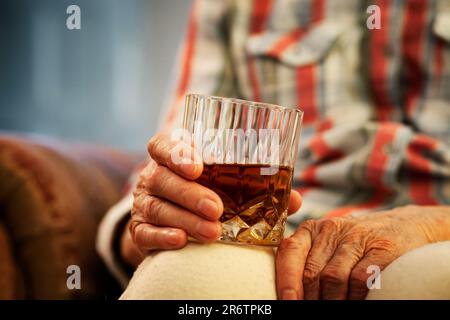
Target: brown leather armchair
(52, 198)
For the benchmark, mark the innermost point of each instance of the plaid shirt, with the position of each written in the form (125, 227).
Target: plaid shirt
(376, 130)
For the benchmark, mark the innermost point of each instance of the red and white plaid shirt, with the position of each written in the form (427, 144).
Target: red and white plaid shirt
(376, 130)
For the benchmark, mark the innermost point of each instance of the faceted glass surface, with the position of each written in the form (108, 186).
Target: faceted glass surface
(248, 150)
(254, 204)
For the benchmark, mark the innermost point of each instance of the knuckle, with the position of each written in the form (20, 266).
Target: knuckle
(358, 278)
(311, 273)
(154, 143)
(309, 225)
(132, 228)
(383, 248)
(153, 181)
(136, 195)
(145, 239)
(333, 276)
(135, 231)
(159, 172)
(329, 225)
(139, 199)
(136, 201)
(289, 244)
(153, 210)
(353, 248)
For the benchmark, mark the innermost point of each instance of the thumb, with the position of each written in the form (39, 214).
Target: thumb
(295, 202)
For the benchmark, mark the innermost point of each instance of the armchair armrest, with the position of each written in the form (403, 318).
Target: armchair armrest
(52, 198)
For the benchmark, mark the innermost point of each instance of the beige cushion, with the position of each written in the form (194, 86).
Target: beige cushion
(423, 273)
(53, 196)
(214, 271)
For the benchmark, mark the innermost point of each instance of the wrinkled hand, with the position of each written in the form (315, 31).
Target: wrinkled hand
(169, 205)
(328, 258)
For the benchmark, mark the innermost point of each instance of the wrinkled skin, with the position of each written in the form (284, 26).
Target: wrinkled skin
(329, 259)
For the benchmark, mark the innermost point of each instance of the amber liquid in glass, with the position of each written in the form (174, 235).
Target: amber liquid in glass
(255, 205)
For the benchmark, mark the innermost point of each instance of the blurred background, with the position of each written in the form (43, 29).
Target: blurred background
(105, 83)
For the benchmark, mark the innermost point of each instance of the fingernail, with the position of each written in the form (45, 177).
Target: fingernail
(289, 294)
(207, 230)
(172, 237)
(208, 208)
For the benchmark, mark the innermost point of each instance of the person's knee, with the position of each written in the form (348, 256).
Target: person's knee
(423, 273)
(214, 271)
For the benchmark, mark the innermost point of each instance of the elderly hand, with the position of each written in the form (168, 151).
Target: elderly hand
(169, 204)
(328, 258)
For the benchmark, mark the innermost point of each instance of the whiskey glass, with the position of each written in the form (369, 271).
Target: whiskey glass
(248, 151)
